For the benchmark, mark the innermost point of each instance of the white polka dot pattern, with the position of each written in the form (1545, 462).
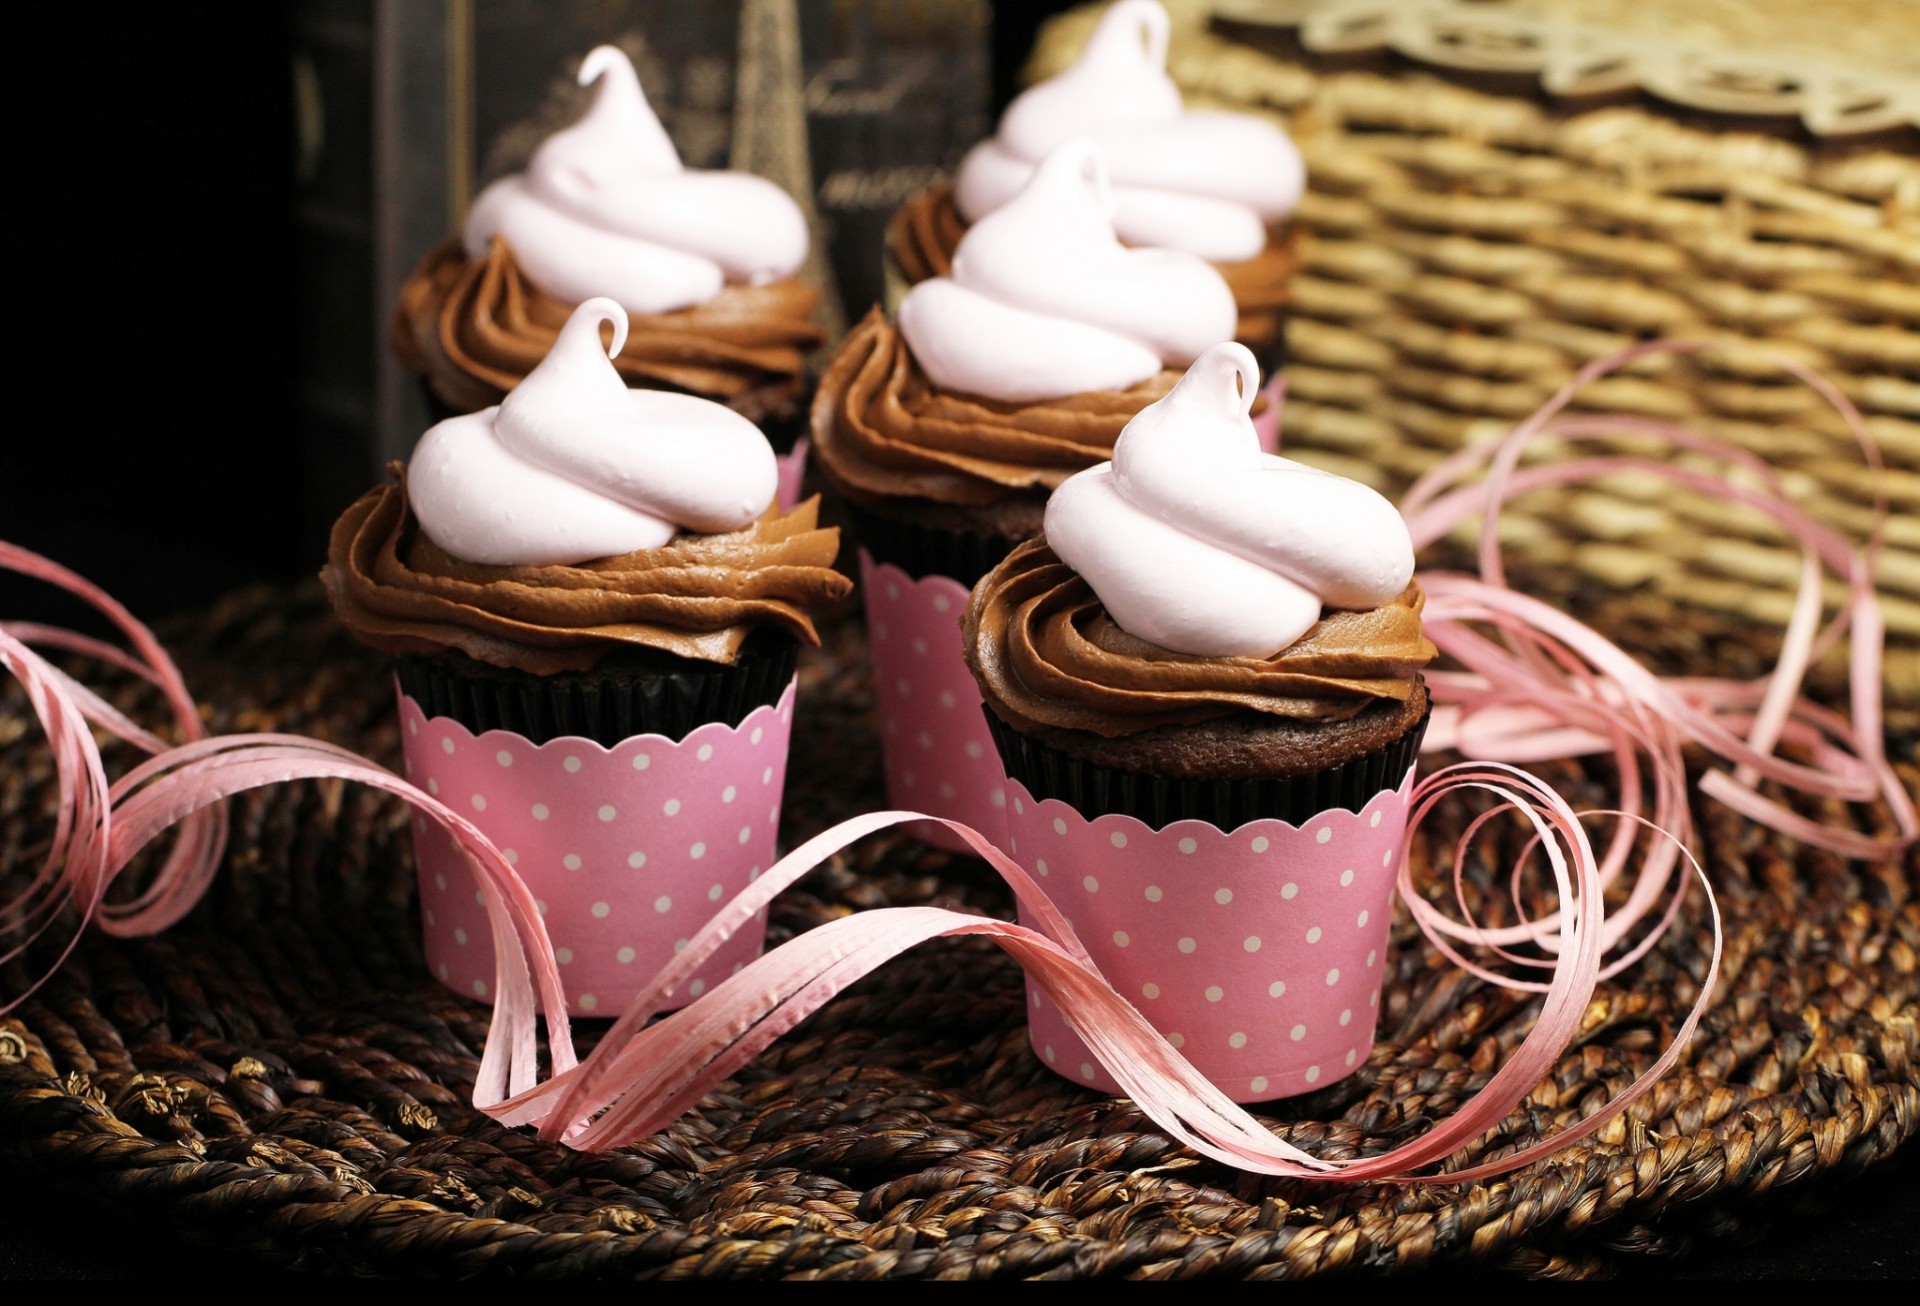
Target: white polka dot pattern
(1260, 946)
(619, 881)
(939, 755)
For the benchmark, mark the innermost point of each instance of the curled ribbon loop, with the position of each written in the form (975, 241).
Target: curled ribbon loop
(1531, 683)
(1555, 688)
(73, 870)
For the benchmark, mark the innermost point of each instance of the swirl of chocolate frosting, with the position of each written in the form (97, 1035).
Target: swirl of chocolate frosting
(1048, 656)
(698, 596)
(924, 233)
(475, 327)
(881, 429)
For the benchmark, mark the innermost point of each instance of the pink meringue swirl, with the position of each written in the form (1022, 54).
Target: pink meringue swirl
(1206, 182)
(605, 208)
(573, 466)
(1044, 301)
(1198, 542)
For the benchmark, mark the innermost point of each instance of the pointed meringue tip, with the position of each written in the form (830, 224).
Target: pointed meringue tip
(599, 60)
(1227, 364)
(602, 309)
(1080, 162)
(1132, 27)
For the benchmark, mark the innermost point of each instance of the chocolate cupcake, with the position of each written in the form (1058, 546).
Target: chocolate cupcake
(1219, 185)
(1205, 685)
(946, 433)
(702, 262)
(595, 611)
(1085, 711)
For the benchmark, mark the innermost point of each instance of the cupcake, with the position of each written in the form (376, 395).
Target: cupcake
(1204, 682)
(946, 433)
(595, 614)
(1217, 185)
(702, 262)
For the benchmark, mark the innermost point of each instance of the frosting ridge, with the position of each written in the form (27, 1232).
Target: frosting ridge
(1043, 300)
(1206, 182)
(605, 207)
(475, 327)
(698, 596)
(1199, 543)
(881, 429)
(1048, 655)
(573, 466)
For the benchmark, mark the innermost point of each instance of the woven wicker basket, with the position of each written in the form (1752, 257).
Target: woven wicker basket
(1497, 196)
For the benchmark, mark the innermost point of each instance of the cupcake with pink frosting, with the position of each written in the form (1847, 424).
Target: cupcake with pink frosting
(595, 610)
(945, 432)
(1204, 683)
(1218, 185)
(703, 263)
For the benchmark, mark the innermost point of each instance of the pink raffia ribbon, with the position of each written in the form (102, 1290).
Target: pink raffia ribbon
(1530, 683)
(74, 869)
(641, 1076)
(1550, 686)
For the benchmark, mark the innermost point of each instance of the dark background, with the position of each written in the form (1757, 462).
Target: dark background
(149, 444)
(155, 443)
(152, 443)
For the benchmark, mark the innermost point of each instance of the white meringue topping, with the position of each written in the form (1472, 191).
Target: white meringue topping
(1195, 540)
(605, 207)
(1045, 301)
(1209, 183)
(573, 466)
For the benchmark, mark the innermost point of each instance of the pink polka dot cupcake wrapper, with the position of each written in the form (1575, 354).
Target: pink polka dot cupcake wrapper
(1258, 953)
(628, 850)
(1267, 424)
(940, 756)
(792, 467)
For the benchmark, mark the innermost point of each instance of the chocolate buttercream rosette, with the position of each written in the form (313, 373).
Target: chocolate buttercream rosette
(704, 263)
(942, 482)
(472, 328)
(1083, 712)
(924, 232)
(655, 641)
(595, 610)
(1204, 683)
(1221, 186)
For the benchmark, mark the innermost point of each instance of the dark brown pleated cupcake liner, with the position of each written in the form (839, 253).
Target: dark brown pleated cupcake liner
(607, 704)
(922, 550)
(1095, 790)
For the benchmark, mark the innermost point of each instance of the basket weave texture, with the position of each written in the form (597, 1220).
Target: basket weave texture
(1468, 249)
(278, 1078)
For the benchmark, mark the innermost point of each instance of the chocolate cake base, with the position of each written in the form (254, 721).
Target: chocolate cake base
(1226, 772)
(645, 692)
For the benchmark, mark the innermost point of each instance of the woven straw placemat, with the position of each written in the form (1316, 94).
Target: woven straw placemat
(279, 1077)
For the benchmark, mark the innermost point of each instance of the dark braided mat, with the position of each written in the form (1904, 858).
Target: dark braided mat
(278, 1078)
